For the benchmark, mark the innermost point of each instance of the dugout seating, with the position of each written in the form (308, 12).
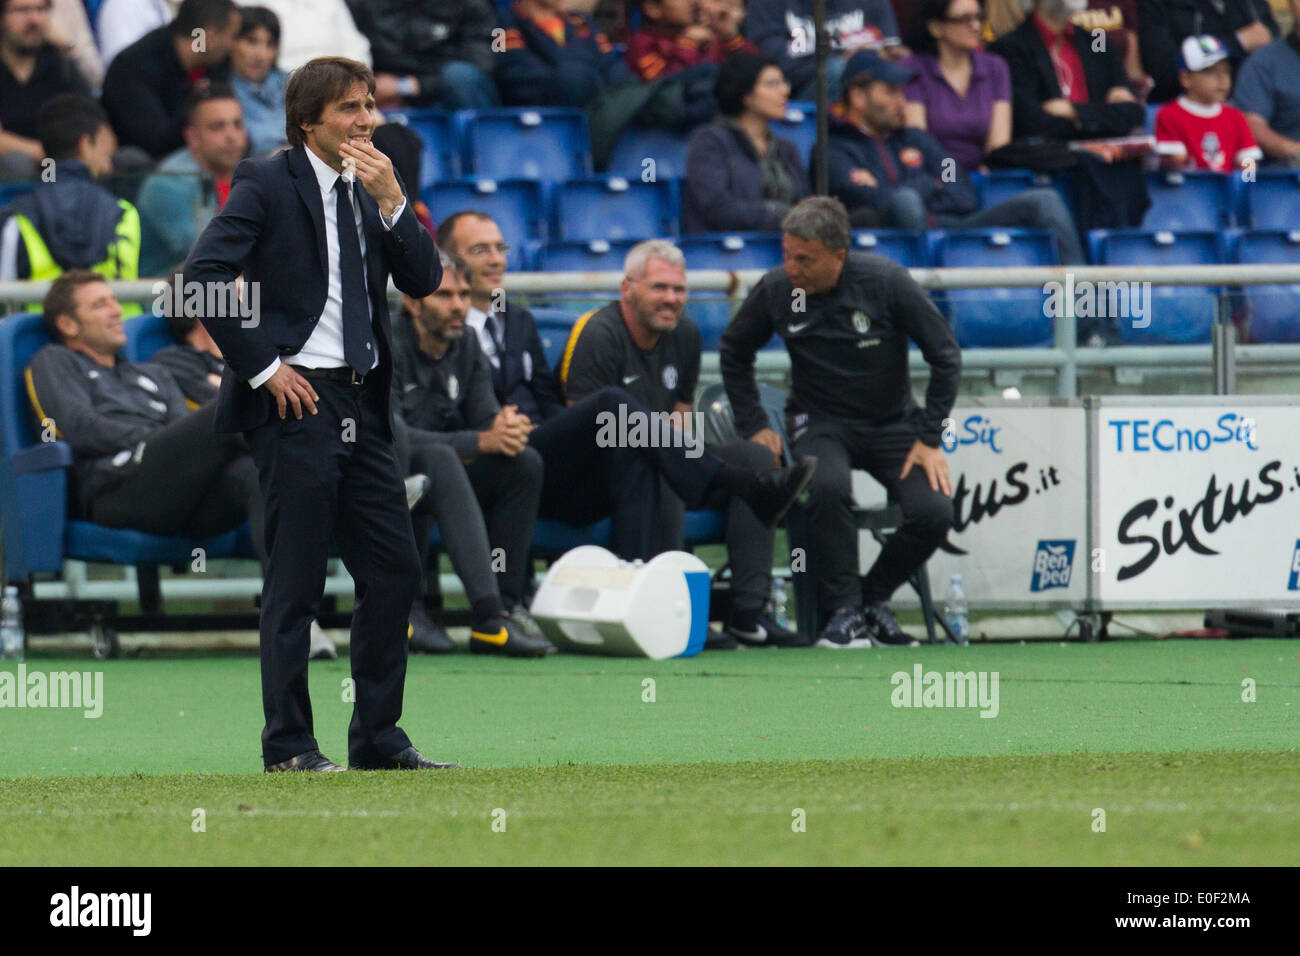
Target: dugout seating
(592, 255)
(1189, 200)
(1273, 310)
(1272, 201)
(518, 206)
(997, 318)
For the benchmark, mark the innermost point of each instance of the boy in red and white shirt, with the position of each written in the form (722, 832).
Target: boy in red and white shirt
(1199, 130)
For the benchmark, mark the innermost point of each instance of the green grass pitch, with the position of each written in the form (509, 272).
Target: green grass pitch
(781, 757)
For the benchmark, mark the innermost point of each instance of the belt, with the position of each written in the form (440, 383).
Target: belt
(344, 375)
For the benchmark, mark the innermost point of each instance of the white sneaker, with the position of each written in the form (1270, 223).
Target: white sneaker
(322, 648)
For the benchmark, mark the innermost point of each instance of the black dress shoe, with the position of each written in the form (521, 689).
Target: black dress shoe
(427, 635)
(777, 490)
(311, 760)
(408, 759)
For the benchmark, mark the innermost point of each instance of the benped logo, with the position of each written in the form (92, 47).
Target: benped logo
(1294, 583)
(1053, 562)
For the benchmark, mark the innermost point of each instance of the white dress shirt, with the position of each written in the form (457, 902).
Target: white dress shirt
(324, 347)
(478, 320)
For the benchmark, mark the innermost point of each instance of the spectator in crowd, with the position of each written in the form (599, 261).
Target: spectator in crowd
(724, 18)
(1268, 92)
(1198, 131)
(551, 58)
(71, 222)
(32, 70)
(784, 29)
(257, 81)
(120, 23)
(851, 407)
(478, 459)
(670, 40)
(191, 185)
(739, 174)
(430, 53)
(312, 28)
(1117, 18)
(1063, 86)
(150, 82)
(1242, 26)
(141, 459)
(644, 343)
(70, 32)
(907, 179)
(960, 95)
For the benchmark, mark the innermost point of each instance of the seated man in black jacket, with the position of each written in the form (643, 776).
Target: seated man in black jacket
(1242, 26)
(905, 176)
(1063, 86)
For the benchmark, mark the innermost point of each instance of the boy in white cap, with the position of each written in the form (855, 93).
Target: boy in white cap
(1199, 130)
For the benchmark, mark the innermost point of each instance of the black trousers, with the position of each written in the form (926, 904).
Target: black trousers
(187, 481)
(833, 548)
(585, 482)
(489, 504)
(328, 477)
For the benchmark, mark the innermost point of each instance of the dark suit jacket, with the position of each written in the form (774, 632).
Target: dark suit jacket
(1033, 82)
(526, 382)
(272, 229)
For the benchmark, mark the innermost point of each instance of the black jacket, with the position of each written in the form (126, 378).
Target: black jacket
(145, 91)
(724, 184)
(272, 229)
(523, 378)
(1033, 82)
(419, 38)
(848, 349)
(1167, 23)
(76, 217)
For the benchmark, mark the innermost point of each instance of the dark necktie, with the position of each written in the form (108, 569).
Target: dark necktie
(356, 314)
(498, 340)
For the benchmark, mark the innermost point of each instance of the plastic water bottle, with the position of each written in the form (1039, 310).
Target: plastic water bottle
(955, 612)
(11, 625)
(780, 602)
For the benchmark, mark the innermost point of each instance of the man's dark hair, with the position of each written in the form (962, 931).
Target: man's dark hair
(215, 91)
(62, 298)
(253, 18)
(447, 228)
(64, 120)
(202, 14)
(179, 325)
(315, 85)
(453, 263)
(822, 218)
(918, 36)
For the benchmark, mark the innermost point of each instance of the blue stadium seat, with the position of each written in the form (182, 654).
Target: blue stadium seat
(1273, 200)
(1000, 184)
(997, 318)
(594, 255)
(752, 250)
(529, 143)
(145, 334)
(800, 126)
(1274, 309)
(612, 207)
(518, 206)
(907, 248)
(1177, 315)
(1149, 121)
(636, 145)
(38, 535)
(1189, 201)
(554, 326)
(441, 151)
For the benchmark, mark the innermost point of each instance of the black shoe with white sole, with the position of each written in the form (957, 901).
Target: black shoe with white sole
(756, 629)
(846, 628)
(883, 628)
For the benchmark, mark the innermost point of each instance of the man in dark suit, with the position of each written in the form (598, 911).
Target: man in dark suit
(312, 335)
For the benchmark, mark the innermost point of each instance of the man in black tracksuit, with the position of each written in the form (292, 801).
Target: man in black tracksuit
(846, 320)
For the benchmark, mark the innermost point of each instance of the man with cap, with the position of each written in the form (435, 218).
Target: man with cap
(1198, 130)
(846, 319)
(903, 174)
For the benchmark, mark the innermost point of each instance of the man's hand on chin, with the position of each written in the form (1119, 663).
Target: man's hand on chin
(374, 171)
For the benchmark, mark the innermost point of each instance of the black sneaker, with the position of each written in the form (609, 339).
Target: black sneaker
(528, 624)
(779, 489)
(501, 635)
(883, 628)
(719, 641)
(846, 628)
(756, 629)
(426, 635)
